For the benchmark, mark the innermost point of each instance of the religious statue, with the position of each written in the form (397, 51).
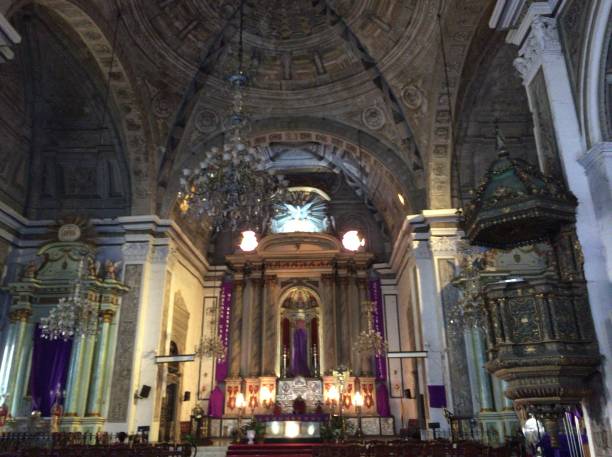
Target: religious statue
(57, 410)
(29, 272)
(93, 267)
(299, 405)
(111, 269)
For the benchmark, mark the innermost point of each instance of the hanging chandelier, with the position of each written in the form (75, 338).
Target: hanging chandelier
(211, 346)
(370, 340)
(72, 316)
(231, 185)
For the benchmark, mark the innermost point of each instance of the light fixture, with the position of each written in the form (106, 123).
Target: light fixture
(73, 316)
(240, 402)
(400, 197)
(292, 429)
(370, 340)
(231, 185)
(351, 241)
(249, 241)
(333, 393)
(358, 399)
(265, 397)
(212, 345)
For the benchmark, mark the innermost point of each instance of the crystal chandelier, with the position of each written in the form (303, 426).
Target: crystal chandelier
(231, 185)
(211, 346)
(72, 316)
(370, 340)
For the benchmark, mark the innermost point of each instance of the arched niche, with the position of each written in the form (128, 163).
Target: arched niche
(300, 335)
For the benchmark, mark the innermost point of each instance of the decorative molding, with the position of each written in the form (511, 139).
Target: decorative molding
(135, 252)
(445, 244)
(543, 39)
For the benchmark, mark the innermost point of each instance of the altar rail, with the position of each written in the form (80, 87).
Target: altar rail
(86, 444)
(412, 449)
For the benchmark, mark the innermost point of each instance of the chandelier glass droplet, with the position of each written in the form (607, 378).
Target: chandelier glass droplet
(73, 316)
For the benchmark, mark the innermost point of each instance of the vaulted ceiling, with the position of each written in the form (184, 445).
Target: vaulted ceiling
(363, 78)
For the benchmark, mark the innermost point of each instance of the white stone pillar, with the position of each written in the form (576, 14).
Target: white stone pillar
(149, 331)
(431, 318)
(541, 56)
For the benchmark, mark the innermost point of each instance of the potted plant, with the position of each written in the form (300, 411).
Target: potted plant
(255, 431)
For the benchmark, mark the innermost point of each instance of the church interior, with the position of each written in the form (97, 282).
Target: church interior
(306, 227)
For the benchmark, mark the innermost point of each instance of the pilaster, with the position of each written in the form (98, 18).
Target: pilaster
(542, 54)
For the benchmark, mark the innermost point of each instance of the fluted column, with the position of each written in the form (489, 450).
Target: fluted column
(342, 321)
(74, 370)
(327, 353)
(256, 331)
(484, 381)
(23, 341)
(270, 326)
(365, 359)
(236, 329)
(95, 400)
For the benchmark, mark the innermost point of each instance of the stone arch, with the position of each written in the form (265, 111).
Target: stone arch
(385, 173)
(123, 101)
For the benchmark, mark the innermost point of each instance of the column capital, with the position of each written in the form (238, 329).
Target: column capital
(107, 315)
(20, 315)
(543, 39)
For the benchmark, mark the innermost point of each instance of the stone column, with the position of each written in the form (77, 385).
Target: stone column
(342, 321)
(431, 316)
(270, 326)
(327, 353)
(23, 343)
(543, 67)
(484, 379)
(236, 329)
(365, 360)
(355, 318)
(72, 384)
(255, 326)
(96, 389)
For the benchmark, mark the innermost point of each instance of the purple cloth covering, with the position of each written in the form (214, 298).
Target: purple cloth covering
(437, 396)
(299, 356)
(382, 400)
(50, 360)
(216, 403)
(379, 325)
(227, 292)
(382, 394)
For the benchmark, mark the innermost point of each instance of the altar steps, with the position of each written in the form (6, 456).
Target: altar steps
(276, 450)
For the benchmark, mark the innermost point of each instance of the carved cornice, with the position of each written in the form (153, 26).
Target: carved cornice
(543, 39)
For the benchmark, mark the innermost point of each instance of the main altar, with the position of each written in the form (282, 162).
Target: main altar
(296, 312)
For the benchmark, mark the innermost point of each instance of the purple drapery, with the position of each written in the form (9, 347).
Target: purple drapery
(215, 405)
(50, 360)
(217, 398)
(299, 356)
(227, 292)
(379, 325)
(382, 394)
(437, 396)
